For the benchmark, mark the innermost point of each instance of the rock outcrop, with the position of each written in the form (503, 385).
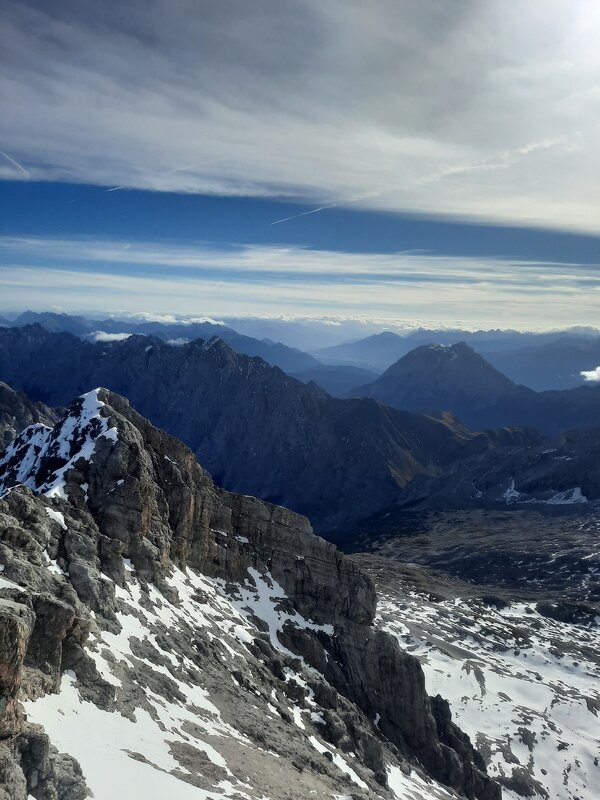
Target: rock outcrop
(135, 589)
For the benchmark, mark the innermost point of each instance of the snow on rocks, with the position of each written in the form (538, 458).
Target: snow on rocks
(567, 497)
(175, 732)
(413, 786)
(173, 711)
(57, 516)
(40, 457)
(266, 599)
(524, 687)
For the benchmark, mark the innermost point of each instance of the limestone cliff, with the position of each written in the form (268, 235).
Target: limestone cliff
(216, 629)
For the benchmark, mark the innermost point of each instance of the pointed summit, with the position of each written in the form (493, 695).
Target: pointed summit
(40, 456)
(438, 377)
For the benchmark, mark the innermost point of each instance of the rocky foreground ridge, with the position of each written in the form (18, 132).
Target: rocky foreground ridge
(162, 637)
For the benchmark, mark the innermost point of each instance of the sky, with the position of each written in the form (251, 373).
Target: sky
(407, 159)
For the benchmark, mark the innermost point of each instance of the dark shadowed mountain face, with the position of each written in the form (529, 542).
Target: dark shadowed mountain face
(256, 430)
(17, 412)
(287, 358)
(458, 379)
(433, 377)
(336, 379)
(555, 365)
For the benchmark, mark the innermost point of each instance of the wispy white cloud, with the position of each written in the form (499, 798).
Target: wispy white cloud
(172, 279)
(447, 108)
(103, 336)
(296, 263)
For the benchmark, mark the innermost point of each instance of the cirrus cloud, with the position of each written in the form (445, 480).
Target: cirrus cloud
(203, 279)
(476, 109)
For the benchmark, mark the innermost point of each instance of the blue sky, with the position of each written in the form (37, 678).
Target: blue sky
(423, 163)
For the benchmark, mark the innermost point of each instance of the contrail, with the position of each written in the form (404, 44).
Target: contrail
(115, 189)
(312, 211)
(344, 202)
(16, 164)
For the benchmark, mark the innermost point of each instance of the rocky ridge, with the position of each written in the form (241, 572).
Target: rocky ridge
(172, 618)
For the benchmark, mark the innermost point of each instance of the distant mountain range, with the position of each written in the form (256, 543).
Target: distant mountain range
(457, 379)
(541, 361)
(537, 360)
(280, 355)
(554, 365)
(256, 429)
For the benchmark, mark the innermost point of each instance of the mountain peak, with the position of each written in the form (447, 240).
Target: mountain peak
(454, 367)
(437, 377)
(40, 456)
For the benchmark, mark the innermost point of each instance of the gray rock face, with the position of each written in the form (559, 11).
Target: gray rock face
(16, 623)
(118, 523)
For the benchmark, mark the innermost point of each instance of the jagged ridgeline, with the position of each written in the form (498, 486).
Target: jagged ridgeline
(161, 637)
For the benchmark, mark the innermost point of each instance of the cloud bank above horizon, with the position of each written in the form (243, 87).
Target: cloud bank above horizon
(111, 275)
(479, 109)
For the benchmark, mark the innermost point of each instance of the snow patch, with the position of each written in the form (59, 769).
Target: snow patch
(25, 460)
(265, 602)
(522, 686)
(57, 516)
(567, 497)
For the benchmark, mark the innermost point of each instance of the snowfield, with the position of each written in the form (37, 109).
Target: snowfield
(524, 687)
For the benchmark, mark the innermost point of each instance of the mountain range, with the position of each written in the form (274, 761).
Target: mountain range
(256, 429)
(218, 649)
(261, 432)
(554, 365)
(541, 361)
(287, 358)
(457, 379)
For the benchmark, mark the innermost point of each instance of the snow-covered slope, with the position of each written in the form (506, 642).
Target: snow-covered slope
(173, 738)
(40, 456)
(524, 686)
